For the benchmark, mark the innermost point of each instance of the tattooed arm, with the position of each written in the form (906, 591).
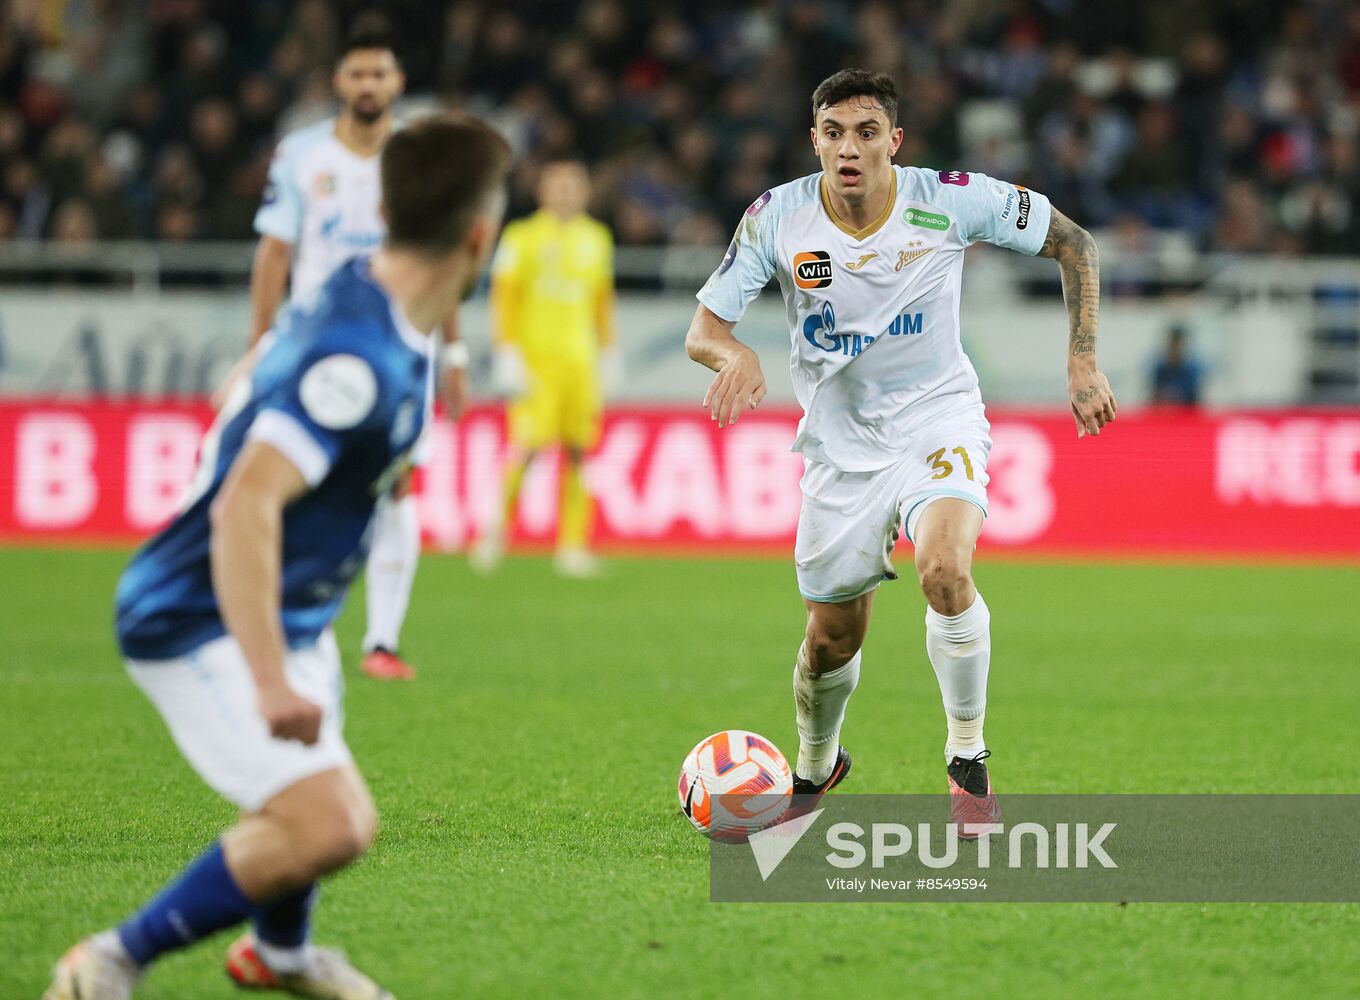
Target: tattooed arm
(1088, 390)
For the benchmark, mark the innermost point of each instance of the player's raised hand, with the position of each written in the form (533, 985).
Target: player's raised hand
(1092, 399)
(738, 386)
(289, 715)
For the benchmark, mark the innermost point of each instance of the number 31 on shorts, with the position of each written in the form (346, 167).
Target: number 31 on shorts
(945, 468)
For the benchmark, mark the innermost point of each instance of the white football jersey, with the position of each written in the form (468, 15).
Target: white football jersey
(324, 199)
(874, 314)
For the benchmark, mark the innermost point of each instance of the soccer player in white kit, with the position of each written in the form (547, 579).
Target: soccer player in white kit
(869, 258)
(320, 209)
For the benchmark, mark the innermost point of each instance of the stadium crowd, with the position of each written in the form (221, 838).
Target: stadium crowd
(1234, 121)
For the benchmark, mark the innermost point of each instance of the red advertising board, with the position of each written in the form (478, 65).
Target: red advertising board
(1249, 483)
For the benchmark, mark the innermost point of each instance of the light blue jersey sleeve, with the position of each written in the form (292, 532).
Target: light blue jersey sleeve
(993, 211)
(748, 264)
(280, 212)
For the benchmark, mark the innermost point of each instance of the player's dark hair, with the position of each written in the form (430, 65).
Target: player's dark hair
(850, 83)
(370, 30)
(438, 175)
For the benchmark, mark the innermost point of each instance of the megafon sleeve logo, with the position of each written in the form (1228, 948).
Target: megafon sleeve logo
(812, 269)
(926, 220)
(957, 177)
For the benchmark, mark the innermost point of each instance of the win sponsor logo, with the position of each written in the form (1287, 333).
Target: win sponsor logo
(812, 269)
(1022, 219)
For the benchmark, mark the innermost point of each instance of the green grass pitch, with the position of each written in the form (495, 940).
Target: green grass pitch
(531, 842)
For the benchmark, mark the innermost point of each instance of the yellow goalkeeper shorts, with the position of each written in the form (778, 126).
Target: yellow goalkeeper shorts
(563, 406)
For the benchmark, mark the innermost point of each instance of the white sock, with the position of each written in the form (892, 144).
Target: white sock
(960, 650)
(284, 960)
(391, 571)
(819, 704)
(108, 943)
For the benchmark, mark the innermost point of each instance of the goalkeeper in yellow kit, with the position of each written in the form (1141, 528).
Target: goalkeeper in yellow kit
(552, 301)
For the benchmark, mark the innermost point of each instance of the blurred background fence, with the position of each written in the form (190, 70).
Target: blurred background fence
(166, 320)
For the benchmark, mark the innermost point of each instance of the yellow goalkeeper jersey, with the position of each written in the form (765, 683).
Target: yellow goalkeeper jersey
(551, 283)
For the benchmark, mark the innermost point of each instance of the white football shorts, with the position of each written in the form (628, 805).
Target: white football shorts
(207, 699)
(849, 521)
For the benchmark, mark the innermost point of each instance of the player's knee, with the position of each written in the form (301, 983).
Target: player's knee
(357, 828)
(337, 834)
(945, 572)
(345, 836)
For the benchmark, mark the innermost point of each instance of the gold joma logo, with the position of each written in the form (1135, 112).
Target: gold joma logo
(905, 257)
(864, 259)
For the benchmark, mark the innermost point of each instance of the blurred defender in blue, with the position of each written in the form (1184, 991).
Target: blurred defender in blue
(224, 617)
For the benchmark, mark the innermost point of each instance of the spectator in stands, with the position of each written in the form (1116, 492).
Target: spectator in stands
(177, 222)
(13, 134)
(1176, 376)
(28, 198)
(73, 223)
(1244, 223)
(112, 213)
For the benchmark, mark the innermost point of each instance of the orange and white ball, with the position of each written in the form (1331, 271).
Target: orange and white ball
(734, 783)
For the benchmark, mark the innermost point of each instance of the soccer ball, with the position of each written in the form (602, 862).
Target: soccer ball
(734, 783)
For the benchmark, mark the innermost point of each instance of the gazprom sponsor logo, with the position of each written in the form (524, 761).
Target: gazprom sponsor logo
(331, 231)
(905, 325)
(926, 220)
(819, 330)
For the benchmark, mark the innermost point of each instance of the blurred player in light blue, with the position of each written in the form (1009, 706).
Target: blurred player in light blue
(320, 209)
(224, 617)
